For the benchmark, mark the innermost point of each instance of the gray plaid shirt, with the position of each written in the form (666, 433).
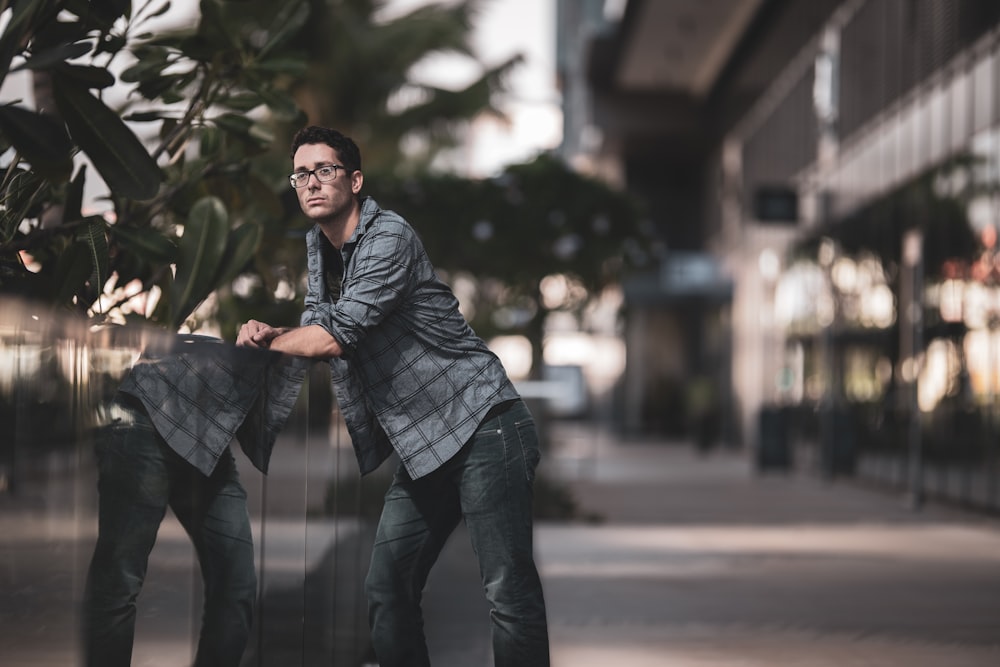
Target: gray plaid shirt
(201, 393)
(413, 377)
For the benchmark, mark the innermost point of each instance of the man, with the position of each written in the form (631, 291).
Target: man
(410, 375)
(164, 441)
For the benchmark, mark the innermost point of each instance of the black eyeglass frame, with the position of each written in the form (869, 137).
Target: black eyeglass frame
(307, 173)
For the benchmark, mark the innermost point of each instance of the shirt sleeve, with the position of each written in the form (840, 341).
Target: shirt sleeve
(378, 278)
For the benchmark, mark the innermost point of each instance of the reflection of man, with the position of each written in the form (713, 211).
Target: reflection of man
(165, 443)
(411, 376)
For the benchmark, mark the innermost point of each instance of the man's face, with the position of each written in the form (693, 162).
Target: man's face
(330, 200)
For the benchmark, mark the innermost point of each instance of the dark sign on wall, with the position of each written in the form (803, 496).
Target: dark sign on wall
(776, 204)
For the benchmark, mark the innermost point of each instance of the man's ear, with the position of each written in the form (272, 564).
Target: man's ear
(357, 180)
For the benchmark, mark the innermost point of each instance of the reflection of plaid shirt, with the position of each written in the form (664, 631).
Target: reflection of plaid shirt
(202, 393)
(414, 377)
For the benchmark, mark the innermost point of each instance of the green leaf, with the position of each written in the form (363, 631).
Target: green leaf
(290, 66)
(240, 248)
(73, 208)
(146, 116)
(100, 14)
(214, 27)
(146, 243)
(171, 96)
(281, 104)
(93, 235)
(164, 306)
(242, 102)
(20, 201)
(111, 44)
(116, 152)
(287, 24)
(201, 251)
(54, 56)
(55, 34)
(234, 122)
(112, 10)
(245, 128)
(40, 139)
(159, 86)
(150, 62)
(159, 11)
(23, 21)
(88, 75)
(71, 273)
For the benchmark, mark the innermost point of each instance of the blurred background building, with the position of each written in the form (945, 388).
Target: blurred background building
(823, 176)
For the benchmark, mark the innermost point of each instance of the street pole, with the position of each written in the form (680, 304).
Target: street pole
(911, 353)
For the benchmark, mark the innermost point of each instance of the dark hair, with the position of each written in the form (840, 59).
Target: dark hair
(348, 151)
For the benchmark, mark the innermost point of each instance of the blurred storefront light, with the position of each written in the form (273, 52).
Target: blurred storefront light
(769, 265)
(878, 307)
(951, 300)
(798, 295)
(514, 353)
(982, 350)
(17, 360)
(937, 377)
(844, 274)
(977, 305)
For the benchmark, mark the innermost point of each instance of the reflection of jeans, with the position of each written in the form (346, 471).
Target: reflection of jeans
(139, 476)
(488, 483)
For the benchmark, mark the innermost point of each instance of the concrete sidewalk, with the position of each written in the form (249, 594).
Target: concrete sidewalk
(694, 561)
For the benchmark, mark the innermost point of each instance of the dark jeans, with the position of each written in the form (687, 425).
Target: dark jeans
(489, 485)
(139, 477)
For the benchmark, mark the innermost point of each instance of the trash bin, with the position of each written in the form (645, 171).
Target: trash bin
(773, 449)
(839, 451)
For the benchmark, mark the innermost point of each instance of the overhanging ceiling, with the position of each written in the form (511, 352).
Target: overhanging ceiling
(681, 45)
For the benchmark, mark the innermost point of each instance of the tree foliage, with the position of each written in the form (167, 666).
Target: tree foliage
(536, 220)
(184, 205)
(361, 78)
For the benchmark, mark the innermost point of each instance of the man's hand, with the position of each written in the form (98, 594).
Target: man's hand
(257, 334)
(310, 341)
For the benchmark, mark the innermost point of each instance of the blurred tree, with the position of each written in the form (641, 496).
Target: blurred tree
(360, 78)
(539, 238)
(184, 216)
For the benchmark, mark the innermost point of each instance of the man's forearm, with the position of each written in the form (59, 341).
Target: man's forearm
(311, 341)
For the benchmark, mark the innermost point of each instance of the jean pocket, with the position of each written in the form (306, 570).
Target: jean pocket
(110, 438)
(527, 436)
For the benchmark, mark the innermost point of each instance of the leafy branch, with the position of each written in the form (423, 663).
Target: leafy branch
(161, 202)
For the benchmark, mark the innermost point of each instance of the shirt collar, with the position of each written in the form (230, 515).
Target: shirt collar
(369, 210)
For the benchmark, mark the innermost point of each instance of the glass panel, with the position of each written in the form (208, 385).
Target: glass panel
(922, 130)
(938, 130)
(984, 82)
(907, 153)
(995, 68)
(960, 110)
(311, 518)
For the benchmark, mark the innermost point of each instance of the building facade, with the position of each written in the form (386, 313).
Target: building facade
(838, 162)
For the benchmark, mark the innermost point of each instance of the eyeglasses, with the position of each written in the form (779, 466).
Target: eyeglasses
(323, 174)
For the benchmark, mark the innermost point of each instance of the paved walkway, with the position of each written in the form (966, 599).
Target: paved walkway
(693, 561)
(677, 560)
